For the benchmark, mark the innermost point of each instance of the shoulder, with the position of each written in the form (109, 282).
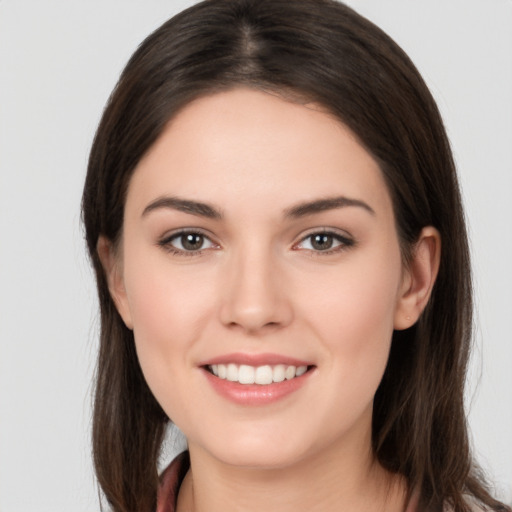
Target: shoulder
(170, 481)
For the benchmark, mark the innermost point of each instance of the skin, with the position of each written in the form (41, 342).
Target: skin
(259, 286)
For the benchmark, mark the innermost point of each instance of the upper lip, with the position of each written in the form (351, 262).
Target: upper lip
(255, 360)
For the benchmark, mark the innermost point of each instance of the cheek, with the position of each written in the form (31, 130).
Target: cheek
(169, 308)
(359, 296)
(165, 300)
(353, 315)
(353, 318)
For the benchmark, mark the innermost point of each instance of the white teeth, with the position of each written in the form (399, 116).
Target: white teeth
(278, 373)
(301, 370)
(246, 374)
(223, 371)
(232, 373)
(289, 373)
(262, 375)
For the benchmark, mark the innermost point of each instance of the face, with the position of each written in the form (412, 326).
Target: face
(261, 273)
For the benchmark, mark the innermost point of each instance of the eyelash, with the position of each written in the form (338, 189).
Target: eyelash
(345, 242)
(166, 243)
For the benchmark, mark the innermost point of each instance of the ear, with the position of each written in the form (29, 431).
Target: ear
(418, 279)
(112, 266)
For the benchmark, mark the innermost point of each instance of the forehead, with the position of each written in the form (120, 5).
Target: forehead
(246, 146)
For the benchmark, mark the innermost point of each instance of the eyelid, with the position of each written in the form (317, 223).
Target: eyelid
(345, 240)
(165, 241)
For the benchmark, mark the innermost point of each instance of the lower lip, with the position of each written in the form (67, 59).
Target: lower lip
(255, 394)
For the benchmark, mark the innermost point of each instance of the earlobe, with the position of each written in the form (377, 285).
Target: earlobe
(112, 267)
(419, 278)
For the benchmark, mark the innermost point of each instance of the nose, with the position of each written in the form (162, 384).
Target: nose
(255, 297)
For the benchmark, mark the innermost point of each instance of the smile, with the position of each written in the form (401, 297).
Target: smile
(261, 375)
(256, 379)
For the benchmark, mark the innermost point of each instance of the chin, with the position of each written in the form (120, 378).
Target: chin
(259, 458)
(253, 451)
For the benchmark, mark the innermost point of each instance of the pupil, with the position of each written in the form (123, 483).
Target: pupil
(322, 242)
(192, 241)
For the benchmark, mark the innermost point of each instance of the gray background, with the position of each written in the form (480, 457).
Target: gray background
(59, 60)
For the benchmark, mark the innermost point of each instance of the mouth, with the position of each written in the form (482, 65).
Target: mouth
(257, 379)
(263, 375)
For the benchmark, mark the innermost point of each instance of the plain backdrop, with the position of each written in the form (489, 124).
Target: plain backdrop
(59, 60)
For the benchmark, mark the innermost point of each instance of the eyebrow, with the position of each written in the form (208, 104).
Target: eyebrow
(321, 205)
(211, 212)
(184, 205)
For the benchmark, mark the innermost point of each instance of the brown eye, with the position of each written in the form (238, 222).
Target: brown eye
(192, 241)
(187, 242)
(325, 241)
(322, 242)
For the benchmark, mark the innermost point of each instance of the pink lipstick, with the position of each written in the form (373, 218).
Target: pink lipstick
(256, 379)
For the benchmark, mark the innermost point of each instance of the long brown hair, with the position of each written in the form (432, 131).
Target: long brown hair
(305, 50)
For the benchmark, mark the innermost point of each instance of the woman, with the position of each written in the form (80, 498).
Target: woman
(273, 214)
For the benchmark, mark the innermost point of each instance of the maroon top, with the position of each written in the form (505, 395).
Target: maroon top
(170, 482)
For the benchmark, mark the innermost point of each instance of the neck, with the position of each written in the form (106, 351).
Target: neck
(327, 482)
